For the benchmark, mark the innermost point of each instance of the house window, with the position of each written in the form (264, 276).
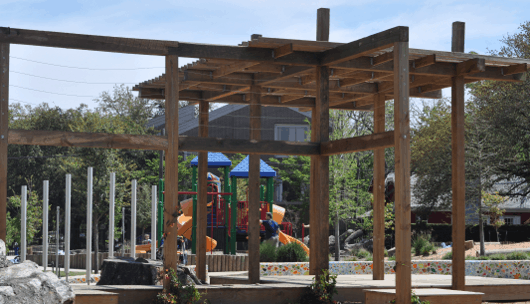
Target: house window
(512, 219)
(291, 132)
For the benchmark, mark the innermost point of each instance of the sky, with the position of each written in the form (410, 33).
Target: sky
(69, 78)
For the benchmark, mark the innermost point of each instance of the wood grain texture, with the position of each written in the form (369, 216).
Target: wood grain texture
(253, 188)
(364, 46)
(86, 42)
(319, 178)
(402, 169)
(202, 197)
(458, 181)
(4, 134)
(458, 37)
(323, 24)
(171, 203)
(379, 191)
(357, 144)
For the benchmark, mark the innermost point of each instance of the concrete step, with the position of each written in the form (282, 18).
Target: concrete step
(433, 295)
(87, 296)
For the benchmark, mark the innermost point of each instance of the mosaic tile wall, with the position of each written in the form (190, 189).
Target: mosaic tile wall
(493, 269)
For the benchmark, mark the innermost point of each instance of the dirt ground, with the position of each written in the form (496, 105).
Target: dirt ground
(472, 252)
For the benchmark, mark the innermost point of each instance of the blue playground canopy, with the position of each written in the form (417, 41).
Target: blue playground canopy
(215, 159)
(241, 170)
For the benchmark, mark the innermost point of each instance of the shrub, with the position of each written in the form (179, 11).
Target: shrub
(427, 249)
(178, 293)
(497, 257)
(448, 256)
(291, 252)
(351, 259)
(362, 254)
(392, 258)
(386, 253)
(517, 255)
(267, 252)
(321, 291)
(422, 245)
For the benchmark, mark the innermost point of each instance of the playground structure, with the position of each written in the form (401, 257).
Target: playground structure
(360, 76)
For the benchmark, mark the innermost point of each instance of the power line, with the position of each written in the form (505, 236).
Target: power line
(82, 96)
(83, 68)
(71, 81)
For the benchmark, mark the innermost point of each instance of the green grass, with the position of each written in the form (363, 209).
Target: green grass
(518, 255)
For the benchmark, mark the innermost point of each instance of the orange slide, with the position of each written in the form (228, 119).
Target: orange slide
(277, 215)
(185, 223)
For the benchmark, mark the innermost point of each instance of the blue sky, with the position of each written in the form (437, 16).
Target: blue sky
(222, 22)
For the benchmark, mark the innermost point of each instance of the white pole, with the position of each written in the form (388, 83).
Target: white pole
(112, 196)
(67, 224)
(57, 239)
(45, 201)
(23, 209)
(89, 226)
(133, 219)
(153, 222)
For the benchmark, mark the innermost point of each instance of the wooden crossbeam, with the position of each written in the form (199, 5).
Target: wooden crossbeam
(153, 142)
(259, 55)
(386, 57)
(357, 144)
(514, 69)
(86, 42)
(232, 68)
(283, 50)
(364, 46)
(424, 61)
(471, 66)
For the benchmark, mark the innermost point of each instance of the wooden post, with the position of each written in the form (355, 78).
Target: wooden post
(379, 192)
(402, 168)
(253, 187)
(323, 24)
(4, 124)
(171, 203)
(202, 196)
(458, 158)
(319, 179)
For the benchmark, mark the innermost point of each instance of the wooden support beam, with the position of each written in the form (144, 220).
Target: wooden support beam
(319, 179)
(424, 61)
(171, 202)
(232, 68)
(402, 169)
(458, 165)
(379, 191)
(283, 50)
(4, 136)
(364, 46)
(87, 140)
(357, 144)
(386, 57)
(471, 66)
(202, 197)
(86, 42)
(514, 69)
(253, 188)
(258, 55)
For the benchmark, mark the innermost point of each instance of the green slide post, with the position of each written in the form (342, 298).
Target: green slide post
(270, 192)
(194, 220)
(233, 202)
(227, 201)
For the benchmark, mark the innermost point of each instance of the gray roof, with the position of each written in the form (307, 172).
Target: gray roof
(188, 120)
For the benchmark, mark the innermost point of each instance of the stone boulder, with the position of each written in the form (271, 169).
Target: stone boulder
(469, 244)
(26, 283)
(2, 248)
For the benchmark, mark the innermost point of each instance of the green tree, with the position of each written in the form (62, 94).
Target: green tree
(33, 217)
(493, 204)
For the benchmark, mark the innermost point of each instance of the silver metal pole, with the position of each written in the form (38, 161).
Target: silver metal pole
(123, 231)
(89, 226)
(153, 221)
(133, 219)
(45, 200)
(67, 224)
(23, 209)
(112, 196)
(58, 219)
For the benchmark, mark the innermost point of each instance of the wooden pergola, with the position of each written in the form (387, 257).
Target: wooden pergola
(314, 75)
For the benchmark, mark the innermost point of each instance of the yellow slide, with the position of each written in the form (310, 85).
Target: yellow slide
(185, 223)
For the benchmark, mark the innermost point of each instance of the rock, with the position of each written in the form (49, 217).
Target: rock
(2, 248)
(141, 260)
(469, 245)
(391, 251)
(26, 283)
(306, 240)
(353, 236)
(126, 271)
(331, 240)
